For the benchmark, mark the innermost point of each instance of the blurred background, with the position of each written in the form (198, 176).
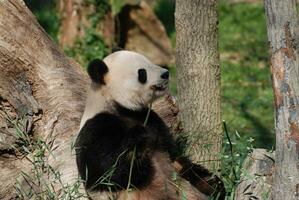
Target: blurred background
(89, 29)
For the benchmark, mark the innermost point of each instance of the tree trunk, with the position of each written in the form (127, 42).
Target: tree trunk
(257, 176)
(42, 96)
(39, 85)
(282, 26)
(198, 72)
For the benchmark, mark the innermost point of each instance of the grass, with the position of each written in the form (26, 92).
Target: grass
(42, 180)
(235, 150)
(247, 99)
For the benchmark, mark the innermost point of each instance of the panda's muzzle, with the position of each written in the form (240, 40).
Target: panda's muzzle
(160, 86)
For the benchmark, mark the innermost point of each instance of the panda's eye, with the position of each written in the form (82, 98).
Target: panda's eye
(142, 76)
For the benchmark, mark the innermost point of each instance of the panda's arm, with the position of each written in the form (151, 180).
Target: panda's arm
(167, 141)
(200, 177)
(105, 145)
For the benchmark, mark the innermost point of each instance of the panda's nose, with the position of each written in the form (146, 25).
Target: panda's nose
(165, 75)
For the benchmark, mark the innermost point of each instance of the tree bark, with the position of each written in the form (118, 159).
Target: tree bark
(45, 91)
(257, 176)
(138, 24)
(198, 73)
(39, 85)
(282, 26)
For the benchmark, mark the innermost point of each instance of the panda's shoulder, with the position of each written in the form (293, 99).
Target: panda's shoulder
(154, 115)
(102, 122)
(101, 118)
(155, 119)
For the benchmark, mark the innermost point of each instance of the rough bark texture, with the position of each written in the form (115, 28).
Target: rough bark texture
(198, 72)
(45, 91)
(257, 176)
(168, 110)
(40, 85)
(282, 25)
(141, 31)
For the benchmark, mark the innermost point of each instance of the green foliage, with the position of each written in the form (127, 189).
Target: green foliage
(243, 28)
(46, 14)
(101, 8)
(234, 151)
(116, 6)
(42, 179)
(246, 86)
(164, 9)
(92, 44)
(90, 47)
(246, 82)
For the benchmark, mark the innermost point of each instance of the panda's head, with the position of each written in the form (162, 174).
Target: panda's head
(128, 78)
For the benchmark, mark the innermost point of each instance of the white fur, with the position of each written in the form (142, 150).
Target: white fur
(122, 85)
(95, 103)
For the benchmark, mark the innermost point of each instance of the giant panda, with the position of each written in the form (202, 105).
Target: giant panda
(124, 150)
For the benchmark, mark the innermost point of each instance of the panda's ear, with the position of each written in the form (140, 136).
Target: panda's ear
(115, 49)
(97, 70)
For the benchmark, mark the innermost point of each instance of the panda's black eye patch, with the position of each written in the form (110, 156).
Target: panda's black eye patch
(142, 76)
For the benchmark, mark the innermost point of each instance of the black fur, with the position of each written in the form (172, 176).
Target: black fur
(142, 76)
(97, 70)
(106, 136)
(115, 49)
(202, 179)
(108, 140)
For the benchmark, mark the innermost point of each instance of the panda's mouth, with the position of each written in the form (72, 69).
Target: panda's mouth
(160, 87)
